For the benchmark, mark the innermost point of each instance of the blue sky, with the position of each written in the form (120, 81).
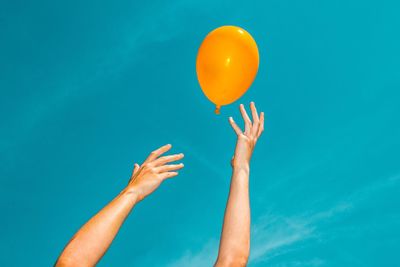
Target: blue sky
(90, 87)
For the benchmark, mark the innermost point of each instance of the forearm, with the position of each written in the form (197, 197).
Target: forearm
(235, 238)
(91, 242)
(234, 249)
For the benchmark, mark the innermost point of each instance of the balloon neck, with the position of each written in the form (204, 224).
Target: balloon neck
(218, 109)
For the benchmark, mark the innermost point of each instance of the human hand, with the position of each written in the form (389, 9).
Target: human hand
(154, 170)
(246, 140)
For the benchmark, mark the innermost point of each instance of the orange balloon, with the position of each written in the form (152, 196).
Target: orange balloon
(227, 63)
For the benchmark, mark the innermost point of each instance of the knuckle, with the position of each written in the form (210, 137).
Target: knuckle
(152, 169)
(147, 165)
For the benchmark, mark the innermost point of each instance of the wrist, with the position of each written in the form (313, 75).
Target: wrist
(241, 166)
(131, 193)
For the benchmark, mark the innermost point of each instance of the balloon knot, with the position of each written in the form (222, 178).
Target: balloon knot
(217, 110)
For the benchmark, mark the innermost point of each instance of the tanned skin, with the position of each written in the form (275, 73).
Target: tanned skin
(234, 248)
(91, 242)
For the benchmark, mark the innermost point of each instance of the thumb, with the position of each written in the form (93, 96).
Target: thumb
(135, 169)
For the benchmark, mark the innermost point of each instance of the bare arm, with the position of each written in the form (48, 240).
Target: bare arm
(234, 247)
(91, 242)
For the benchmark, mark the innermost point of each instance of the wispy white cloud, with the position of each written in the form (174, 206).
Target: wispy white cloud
(274, 234)
(371, 189)
(269, 235)
(311, 263)
(205, 257)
